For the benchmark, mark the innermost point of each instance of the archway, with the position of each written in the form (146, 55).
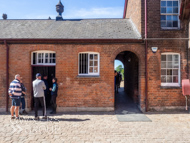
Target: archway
(131, 76)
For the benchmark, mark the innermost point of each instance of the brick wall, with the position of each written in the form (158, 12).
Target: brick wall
(75, 91)
(134, 13)
(2, 77)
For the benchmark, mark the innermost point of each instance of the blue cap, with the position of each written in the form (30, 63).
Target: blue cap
(38, 74)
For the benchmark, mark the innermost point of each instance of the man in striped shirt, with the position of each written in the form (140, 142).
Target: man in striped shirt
(15, 92)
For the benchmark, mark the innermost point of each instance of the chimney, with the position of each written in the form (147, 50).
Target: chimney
(59, 9)
(4, 16)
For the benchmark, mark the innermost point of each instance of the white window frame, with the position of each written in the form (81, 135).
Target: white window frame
(179, 71)
(43, 52)
(177, 14)
(89, 74)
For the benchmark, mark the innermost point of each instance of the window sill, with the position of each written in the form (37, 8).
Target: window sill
(170, 87)
(88, 76)
(170, 29)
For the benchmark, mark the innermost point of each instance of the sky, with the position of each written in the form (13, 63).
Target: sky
(117, 63)
(74, 9)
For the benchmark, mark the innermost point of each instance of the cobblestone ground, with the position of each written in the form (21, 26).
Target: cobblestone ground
(95, 128)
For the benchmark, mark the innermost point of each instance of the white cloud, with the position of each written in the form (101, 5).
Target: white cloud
(95, 13)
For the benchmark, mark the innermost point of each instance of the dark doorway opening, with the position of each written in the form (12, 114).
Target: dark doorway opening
(49, 71)
(130, 93)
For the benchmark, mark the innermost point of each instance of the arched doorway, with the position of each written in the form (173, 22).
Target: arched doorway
(131, 79)
(43, 62)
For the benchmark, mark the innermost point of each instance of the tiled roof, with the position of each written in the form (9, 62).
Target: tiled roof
(68, 29)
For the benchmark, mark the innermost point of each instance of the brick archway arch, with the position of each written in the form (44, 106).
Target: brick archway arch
(130, 48)
(138, 51)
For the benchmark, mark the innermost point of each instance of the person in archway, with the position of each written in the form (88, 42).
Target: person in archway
(54, 90)
(120, 79)
(39, 98)
(23, 111)
(116, 81)
(46, 90)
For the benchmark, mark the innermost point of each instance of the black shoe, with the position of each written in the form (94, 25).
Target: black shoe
(52, 112)
(44, 117)
(36, 118)
(24, 112)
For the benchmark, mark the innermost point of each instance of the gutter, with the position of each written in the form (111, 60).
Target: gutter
(72, 41)
(146, 60)
(125, 9)
(7, 74)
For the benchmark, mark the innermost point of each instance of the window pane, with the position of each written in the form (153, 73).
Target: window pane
(39, 61)
(95, 69)
(163, 57)
(169, 65)
(169, 17)
(91, 69)
(91, 56)
(175, 72)
(169, 10)
(163, 79)
(95, 63)
(162, 17)
(163, 3)
(83, 63)
(175, 79)
(54, 55)
(96, 57)
(175, 10)
(39, 55)
(169, 3)
(176, 65)
(53, 60)
(175, 17)
(91, 63)
(163, 10)
(34, 58)
(163, 72)
(163, 65)
(169, 79)
(175, 23)
(163, 23)
(175, 58)
(46, 61)
(46, 55)
(169, 23)
(169, 71)
(175, 3)
(169, 57)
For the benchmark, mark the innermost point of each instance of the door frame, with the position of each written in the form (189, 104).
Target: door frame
(31, 100)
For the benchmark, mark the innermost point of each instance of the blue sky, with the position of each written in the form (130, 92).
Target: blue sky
(74, 9)
(117, 63)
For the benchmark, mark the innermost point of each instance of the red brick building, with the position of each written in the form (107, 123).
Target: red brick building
(150, 40)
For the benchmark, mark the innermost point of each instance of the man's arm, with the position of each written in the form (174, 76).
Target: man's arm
(43, 85)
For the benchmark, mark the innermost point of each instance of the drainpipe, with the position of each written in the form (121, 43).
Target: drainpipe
(146, 60)
(7, 74)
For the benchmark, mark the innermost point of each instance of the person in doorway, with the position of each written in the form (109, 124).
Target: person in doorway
(46, 90)
(54, 90)
(15, 92)
(115, 81)
(39, 98)
(120, 78)
(23, 111)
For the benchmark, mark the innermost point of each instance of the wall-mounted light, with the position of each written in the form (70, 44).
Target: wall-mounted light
(154, 49)
(129, 59)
